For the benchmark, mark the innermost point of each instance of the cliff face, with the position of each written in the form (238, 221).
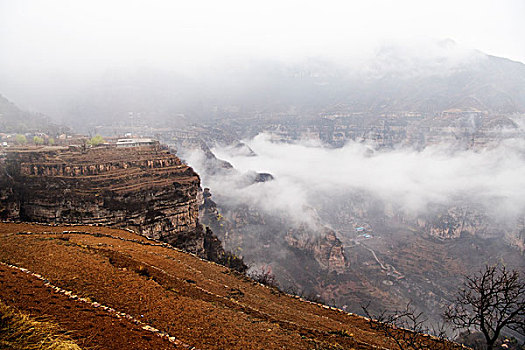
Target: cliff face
(238, 230)
(327, 249)
(454, 221)
(146, 189)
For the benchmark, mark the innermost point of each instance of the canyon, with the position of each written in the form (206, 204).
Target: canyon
(349, 245)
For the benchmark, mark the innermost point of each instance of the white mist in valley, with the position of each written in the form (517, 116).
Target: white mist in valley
(308, 173)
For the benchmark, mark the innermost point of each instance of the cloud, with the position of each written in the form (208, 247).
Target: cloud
(278, 197)
(307, 173)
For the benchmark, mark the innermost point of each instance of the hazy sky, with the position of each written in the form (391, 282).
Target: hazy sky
(70, 35)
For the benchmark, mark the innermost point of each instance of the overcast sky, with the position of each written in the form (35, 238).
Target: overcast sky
(72, 34)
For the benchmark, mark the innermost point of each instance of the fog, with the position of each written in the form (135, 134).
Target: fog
(307, 172)
(58, 52)
(76, 34)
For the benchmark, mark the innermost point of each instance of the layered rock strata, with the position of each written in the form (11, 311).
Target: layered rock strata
(146, 189)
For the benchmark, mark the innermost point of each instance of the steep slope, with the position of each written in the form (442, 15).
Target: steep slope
(13, 119)
(175, 296)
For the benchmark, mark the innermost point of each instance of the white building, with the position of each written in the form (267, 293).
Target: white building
(136, 142)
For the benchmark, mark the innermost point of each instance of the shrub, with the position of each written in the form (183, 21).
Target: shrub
(264, 276)
(96, 140)
(38, 140)
(20, 139)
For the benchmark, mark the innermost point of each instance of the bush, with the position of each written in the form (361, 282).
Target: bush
(38, 140)
(233, 262)
(264, 276)
(96, 140)
(20, 139)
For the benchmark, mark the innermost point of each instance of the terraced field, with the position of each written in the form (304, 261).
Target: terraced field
(113, 289)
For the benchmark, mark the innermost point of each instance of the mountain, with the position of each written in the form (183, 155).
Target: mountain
(15, 120)
(395, 79)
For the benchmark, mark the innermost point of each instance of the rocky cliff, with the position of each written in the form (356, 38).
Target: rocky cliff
(326, 248)
(453, 221)
(146, 189)
(273, 241)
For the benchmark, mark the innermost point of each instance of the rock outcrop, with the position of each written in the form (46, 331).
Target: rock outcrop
(452, 222)
(146, 189)
(326, 248)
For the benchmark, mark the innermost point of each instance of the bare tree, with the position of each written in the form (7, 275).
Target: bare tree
(490, 301)
(264, 276)
(408, 329)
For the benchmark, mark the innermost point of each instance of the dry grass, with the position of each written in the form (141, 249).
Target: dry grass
(19, 331)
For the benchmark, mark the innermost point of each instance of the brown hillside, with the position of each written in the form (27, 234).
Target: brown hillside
(113, 288)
